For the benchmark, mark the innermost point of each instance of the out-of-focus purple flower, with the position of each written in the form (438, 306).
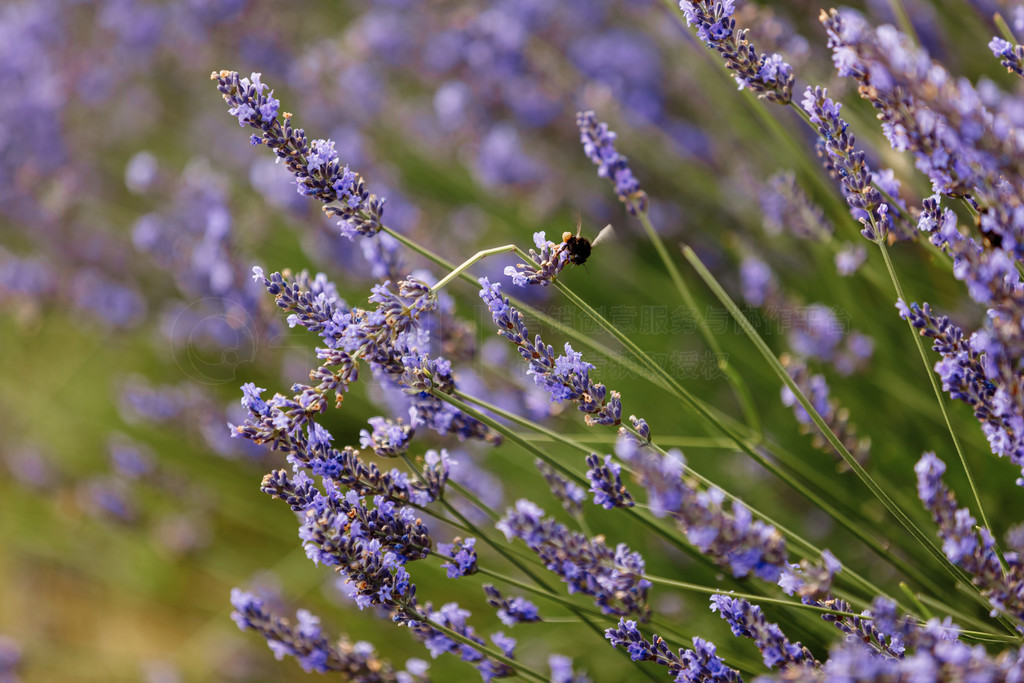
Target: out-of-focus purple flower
(850, 258)
(511, 611)
(304, 640)
(568, 492)
(562, 672)
(599, 146)
(815, 388)
(501, 159)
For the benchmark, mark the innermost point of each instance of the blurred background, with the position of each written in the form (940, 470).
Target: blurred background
(132, 209)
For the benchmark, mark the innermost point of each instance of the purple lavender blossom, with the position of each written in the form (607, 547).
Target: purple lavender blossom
(785, 207)
(1011, 56)
(606, 483)
(455, 618)
(389, 438)
(388, 339)
(748, 621)
(315, 165)
(463, 554)
(565, 378)
(551, 257)
(568, 492)
(965, 149)
(838, 151)
(305, 641)
(561, 670)
(700, 664)
(511, 611)
(850, 258)
(599, 146)
(767, 75)
(588, 566)
(977, 372)
(969, 546)
(815, 388)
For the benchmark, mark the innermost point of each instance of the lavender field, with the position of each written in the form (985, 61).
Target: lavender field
(318, 357)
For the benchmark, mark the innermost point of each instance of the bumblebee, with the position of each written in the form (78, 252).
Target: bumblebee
(579, 247)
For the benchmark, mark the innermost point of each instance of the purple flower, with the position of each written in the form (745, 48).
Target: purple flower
(599, 146)
(748, 621)
(612, 577)
(304, 640)
(606, 484)
(463, 554)
(315, 165)
(970, 546)
(699, 664)
(565, 378)
(511, 611)
(767, 75)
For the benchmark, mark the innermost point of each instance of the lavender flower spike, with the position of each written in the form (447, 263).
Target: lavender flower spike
(970, 546)
(767, 75)
(748, 621)
(699, 664)
(315, 165)
(305, 641)
(612, 577)
(1011, 56)
(565, 378)
(599, 146)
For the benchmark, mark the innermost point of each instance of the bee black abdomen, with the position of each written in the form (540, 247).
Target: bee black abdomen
(579, 249)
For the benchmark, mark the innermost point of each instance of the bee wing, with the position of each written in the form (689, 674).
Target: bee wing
(607, 233)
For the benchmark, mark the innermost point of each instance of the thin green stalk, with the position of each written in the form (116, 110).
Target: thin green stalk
(699, 407)
(808, 547)
(935, 387)
(1004, 28)
(470, 261)
(907, 523)
(739, 387)
(546, 319)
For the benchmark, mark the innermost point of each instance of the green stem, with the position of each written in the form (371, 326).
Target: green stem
(470, 261)
(935, 387)
(570, 332)
(873, 486)
(739, 387)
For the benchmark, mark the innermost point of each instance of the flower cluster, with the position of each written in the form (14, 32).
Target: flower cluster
(815, 388)
(565, 378)
(748, 621)
(511, 611)
(612, 577)
(699, 664)
(1011, 56)
(842, 159)
(305, 641)
(599, 146)
(551, 257)
(452, 617)
(463, 554)
(767, 75)
(315, 165)
(970, 546)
